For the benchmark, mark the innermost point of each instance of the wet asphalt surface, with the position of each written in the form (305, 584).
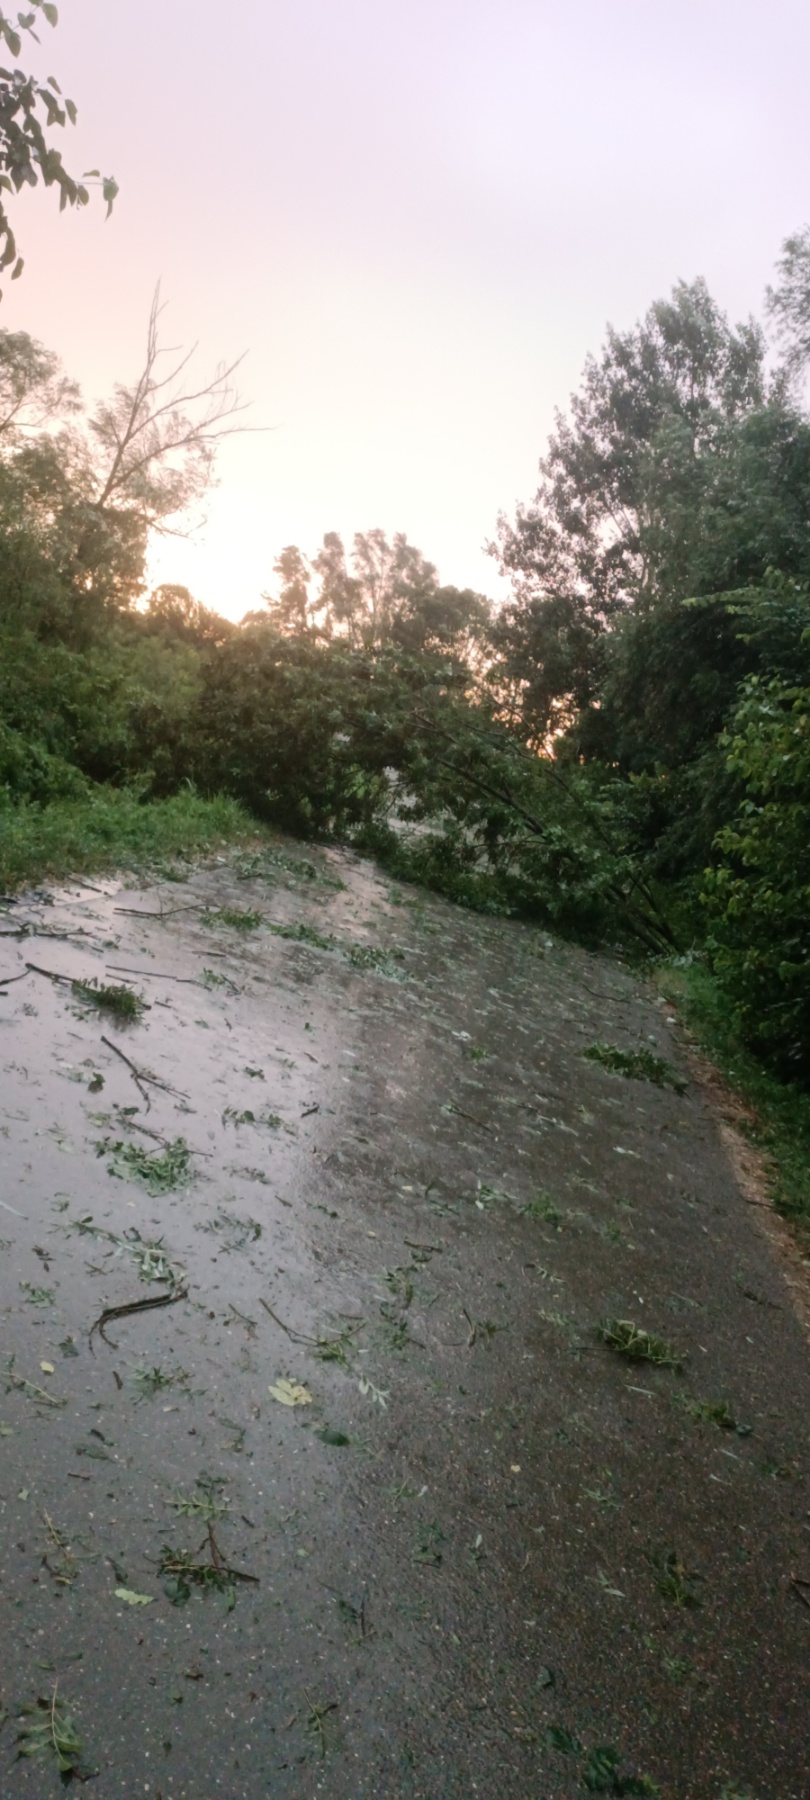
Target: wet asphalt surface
(382, 1173)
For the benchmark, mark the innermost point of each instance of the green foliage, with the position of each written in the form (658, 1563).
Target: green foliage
(637, 1344)
(119, 1000)
(29, 772)
(777, 1113)
(637, 1065)
(47, 1729)
(758, 898)
(601, 1769)
(159, 1172)
(112, 829)
(238, 918)
(26, 157)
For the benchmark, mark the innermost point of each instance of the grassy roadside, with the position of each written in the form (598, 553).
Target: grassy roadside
(110, 828)
(780, 1113)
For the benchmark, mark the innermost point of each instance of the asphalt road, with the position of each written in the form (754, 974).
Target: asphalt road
(364, 1506)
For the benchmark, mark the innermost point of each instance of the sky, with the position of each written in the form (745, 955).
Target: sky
(416, 217)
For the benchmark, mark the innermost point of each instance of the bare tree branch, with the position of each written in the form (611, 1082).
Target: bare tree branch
(160, 435)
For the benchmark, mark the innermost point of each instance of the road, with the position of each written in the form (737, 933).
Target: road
(367, 1507)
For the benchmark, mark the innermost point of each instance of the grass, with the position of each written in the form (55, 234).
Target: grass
(111, 828)
(779, 1113)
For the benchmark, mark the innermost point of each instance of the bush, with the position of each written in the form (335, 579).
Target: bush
(758, 898)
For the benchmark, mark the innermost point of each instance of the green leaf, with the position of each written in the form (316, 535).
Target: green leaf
(328, 1436)
(132, 1599)
(50, 12)
(558, 1738)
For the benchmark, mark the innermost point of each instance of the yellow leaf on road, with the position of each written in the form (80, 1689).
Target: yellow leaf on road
(290, 1393)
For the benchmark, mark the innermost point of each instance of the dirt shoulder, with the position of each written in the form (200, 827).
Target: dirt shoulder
(353, 1143)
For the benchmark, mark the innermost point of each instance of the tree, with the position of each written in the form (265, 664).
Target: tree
(154, 443)
(389, 600)
(789, 302)
(34, 391)
(289, 609)
(758, 898)
(675, 474)
(26, 156)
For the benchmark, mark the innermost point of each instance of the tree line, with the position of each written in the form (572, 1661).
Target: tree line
(622, 748)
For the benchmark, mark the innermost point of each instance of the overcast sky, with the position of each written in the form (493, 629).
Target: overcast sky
(417, 217)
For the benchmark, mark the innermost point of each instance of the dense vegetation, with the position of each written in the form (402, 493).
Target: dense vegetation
(622, 749)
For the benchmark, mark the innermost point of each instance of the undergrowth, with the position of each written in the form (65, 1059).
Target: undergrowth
(778, 1120)
(112, 828)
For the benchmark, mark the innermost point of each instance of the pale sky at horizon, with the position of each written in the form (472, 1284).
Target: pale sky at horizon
(417, 216)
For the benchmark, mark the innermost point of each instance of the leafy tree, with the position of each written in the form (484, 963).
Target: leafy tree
(290, 608)
(85, 492)
(616, 521)
(26, 156)
(34, 391)
(789, 302)
(758, 897)
(389, 596)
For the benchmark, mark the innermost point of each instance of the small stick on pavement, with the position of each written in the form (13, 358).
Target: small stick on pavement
(296, 1337)
(134, 1306)
(136, 1076)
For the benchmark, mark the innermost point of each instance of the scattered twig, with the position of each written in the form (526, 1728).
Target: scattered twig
(137, 912)
(133, 1306)
(799, 1584)
(470, 1116)
(6, 980)
(137, 1078)
(143, 1074)
(157, 974)
(50, 973)
(39, 1393)
(296, 1337)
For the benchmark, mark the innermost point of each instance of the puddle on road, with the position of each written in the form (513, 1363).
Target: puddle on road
(322, 1518)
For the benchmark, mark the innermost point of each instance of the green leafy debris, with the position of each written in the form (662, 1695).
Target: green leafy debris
(121, 1001)
(636, 1065)
(158, 1171)
(638, 1345)
(236, 918)
(48, 1729)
